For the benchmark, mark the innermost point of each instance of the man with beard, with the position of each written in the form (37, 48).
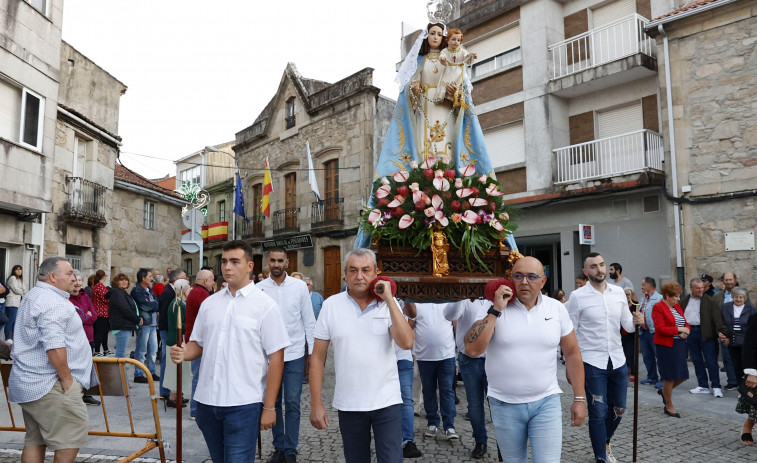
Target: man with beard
(598, 312)
(616, 277)
(293, 299)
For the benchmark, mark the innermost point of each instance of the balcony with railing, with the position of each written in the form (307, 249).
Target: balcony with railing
(285, 221)
(252, 229)
(623, 41)
(86, 203)
(629, 153)
(327, 214)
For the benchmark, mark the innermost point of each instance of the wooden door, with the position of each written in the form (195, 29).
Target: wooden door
(290, 200)
(331, 175)
(292, 256)
(332, 271)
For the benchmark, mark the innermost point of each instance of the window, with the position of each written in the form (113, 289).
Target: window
(496, 51)
(651, 203)
(188, 266)
(222, 211)
(149, 215)
(506, 144)
(39, 5)
(80, 157)
(257, 198)
(289, 119)
(331, 176)
(192, 175)
(290, 190)
(21, 115)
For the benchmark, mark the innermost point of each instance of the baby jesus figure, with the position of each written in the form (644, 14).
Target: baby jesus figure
(455, 59)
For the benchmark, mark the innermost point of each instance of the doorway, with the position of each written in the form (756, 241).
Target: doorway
(546, 249)
(292, 256)
(332, 271)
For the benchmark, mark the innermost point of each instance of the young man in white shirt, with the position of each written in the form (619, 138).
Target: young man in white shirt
(241, 337)
(435, 352)
(293, 299)
(520, 337)
(598, 312)
(367, 391)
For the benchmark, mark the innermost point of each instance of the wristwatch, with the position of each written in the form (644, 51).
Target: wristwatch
(494, 311)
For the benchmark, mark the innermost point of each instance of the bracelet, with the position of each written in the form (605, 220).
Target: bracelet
(579, 399)
(269, 409)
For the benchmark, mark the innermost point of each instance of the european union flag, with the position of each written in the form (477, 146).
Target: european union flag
(239, 201)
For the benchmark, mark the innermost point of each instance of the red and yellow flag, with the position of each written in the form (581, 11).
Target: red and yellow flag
(267, 190)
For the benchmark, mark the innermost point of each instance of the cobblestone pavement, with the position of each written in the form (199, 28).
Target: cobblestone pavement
(708, 432)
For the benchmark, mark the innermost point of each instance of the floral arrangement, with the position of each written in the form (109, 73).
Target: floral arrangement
(410, 204)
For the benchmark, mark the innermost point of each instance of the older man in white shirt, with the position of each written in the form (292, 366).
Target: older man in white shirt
(293, 299)
(241, 337)
(598, 312)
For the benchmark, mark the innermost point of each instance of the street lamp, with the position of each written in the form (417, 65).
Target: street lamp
(213, 149)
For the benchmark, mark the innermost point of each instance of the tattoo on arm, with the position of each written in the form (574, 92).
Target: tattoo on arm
(476, 331)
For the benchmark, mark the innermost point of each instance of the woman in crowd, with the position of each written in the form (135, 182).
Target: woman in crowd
(670, 333)
(86, 311)
(749, 363)
(16, 290)
(100, 301)
(628, 339)
(736, 316)
(175, 310)
(124, 316)
(560, 295)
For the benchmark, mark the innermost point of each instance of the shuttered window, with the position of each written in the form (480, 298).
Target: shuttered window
(612, 12)
(620, 120)
(10, 110)
(506, 145)
(496, 44)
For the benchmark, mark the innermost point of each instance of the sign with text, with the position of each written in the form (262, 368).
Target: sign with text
(295, 242)
(586, 234)
(739, 241)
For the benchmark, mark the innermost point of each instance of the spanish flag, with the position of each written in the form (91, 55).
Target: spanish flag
(267, 190)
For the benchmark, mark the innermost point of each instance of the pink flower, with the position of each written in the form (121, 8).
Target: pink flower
(468, 170)
(504, 216)
(413, 165)
(405, 221)
(426, 199)
(483, 179)
(475, 202)
(455, 205)
(401, 176)
(450, 174)
(440, 183)
(375, 217)
(384, 181)
(403, 190)
(383, 191)
(417, 194)
(398, 200)
(456, 217)
(497, 226)
(429, 163)
(429, 211)
(465, 192)
(470, 217)
(458, 183)
(493, 190)
(428, 173)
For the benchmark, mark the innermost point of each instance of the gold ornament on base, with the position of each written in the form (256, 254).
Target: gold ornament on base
(439, 249)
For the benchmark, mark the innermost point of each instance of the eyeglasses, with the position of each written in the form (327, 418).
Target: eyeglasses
(531, 277)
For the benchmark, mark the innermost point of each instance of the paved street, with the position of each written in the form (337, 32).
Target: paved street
(708, 431)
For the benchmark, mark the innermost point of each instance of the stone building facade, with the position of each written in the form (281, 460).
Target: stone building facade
(80, 225)
(146, 225)
(344, 124)
(712, 50)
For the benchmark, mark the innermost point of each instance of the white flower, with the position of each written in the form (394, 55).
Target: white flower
(413, 165)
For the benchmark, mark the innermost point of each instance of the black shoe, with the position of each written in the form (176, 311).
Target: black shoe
(89, 400)
(457, 400)
(141, 380)
(674, 415)
(155, 377)
(410, 450)
(722, 369)
(277, 457)
(131, 354)
(731, 387)
(290, 458)
(479, 451)
(659, 392)
(172, 404)
(184, 401)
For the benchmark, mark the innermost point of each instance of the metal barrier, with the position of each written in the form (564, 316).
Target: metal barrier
(112, 377)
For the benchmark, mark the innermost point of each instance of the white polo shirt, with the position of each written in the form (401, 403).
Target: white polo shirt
(434, 338)
(237, 334)
(466, 312)
(521, 360)
(364, 360)
(597, 318)
(293, 299)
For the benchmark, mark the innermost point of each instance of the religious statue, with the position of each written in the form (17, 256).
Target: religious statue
(439, 250)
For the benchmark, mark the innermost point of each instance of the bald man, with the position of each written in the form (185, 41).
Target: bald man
(520, 337)
(204, 282)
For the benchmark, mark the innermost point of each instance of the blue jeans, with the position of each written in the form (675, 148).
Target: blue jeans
(405, 370)
(147, 349)
(163, 391)
(649, 354)
(286, 431)
(474, 379)
(605, 390)
(539, 422)
(438, 373)
(122, 340)
(230, 433)
(195, 376)
(730, 372)
(355, 428)
(704, 358)
(11, 313)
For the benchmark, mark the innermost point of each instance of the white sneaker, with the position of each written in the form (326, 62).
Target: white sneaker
(450, 434)
(430, 431)
(717, 392)
(700, 390)
(610, 457)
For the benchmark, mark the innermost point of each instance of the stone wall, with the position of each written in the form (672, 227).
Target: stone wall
(714, 72)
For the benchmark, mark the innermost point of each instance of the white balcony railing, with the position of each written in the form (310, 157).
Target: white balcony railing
(622, 38)
(609, 157)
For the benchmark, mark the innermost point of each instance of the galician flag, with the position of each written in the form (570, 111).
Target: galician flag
(267, 190)
(311, 174)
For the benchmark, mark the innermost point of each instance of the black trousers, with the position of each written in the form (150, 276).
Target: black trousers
(101, 328)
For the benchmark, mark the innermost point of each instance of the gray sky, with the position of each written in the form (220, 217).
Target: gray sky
(200, 71)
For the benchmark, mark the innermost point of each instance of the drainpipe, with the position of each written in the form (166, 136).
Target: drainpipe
(673, 163)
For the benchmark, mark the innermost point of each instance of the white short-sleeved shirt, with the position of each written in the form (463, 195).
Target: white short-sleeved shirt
(521, 360)
(597, 318)
(434, 338)
(402, 354)
(466, 313)
(293, 299)
(364, 359)
(237, 334)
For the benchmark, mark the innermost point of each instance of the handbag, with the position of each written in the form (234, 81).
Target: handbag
(748, 393)
(738, 338)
